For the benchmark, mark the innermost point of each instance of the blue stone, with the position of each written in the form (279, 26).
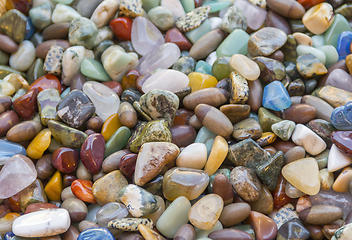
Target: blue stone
(203, 67)
(65, 93)
(8, 149)
(30, 29)
(343, 44)
(341, 117)
(12, 236)
(207, 137)
(96, 234)
(276, 97)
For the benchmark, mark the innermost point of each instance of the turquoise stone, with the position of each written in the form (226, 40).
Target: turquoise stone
(276, 97)
(93, 69)
(217, 6)
(339, 25)
(64, 93)
(8, 149)
(41, 16)
(331, 54)
(343, 44)
(227, 48)
(198, 32)
(97, 233)
(318, 40)
(149, 4)
(341, 117)
(117, 141)
(207, 137)
(203, 67)
(13, 24)
(188, 5)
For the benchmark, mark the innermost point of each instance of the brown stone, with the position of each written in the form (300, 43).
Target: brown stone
(320, 214)
(300, 113)
(255, 95)
(234, 213)
(56, 31)
(42, 49)
(287, 8)
(236, 112)
(7, 44)
(222, 187)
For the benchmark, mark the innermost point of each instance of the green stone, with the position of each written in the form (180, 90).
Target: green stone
(289, 49)
(227, 48)
(303, 49)
(331, 54)
(117, 141)
(185, 65)
(203, 67)
(65, 93)
(41, 16)
(153, 131)
(174, 217)
(247, 153)
(223, 171)
(98, 50)
(149, 4)
(35, 71)
(345, 10)
(217, 6)
(188, 5)
(207, 137)
(161, 17)
(318, 40)
(266, 119)
(322, 159)
(93, 69)
(67, 136)
(270, 69)
(67, 2)
(283, 129)
(6, 70)
(343, 233)
(221, 68)
(4, 58)
(310, 85)
(195, 34)
(47, 100)
(297, 26)
(291, 70)
(269, 172)
(83, 32)
(139, 110)
(13, 24)
(339, 25)
(138, 201)
(310, 66)
(246, 228)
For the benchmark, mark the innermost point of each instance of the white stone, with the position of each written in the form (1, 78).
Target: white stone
(45, 223)
(215, 22)
(337, 159)
(117, 62)
(105, 12)
(309, 140)
(245, 66)
(174, 6)
(193, 156)
(105, 100)
(166, 79)
(64, 13)
(211, 58)
(23, 58)
(162, 57)
(104, 33)
(71, 62)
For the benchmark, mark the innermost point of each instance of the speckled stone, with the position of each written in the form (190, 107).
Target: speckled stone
(83, 32)
(285, 214)
(270, 69)
(53, 60)
(47, 100)
(266, 41)
(185, 65)
(67, 136)
(309, 66)
(130, 224)
(13, 24)
(248, 128)
(269, 172)
(284, 129)
(193, 19)
(239, 90)
(160, 104)
(233, 19)
(131, 8)
(139, 202)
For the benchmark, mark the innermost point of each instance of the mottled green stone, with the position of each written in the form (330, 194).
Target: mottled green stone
(291, 70)
(289, 49)
(322, 159)
(35, 71)
(67, 136)
(269, 171)
(149, 4)
(98, 50)
(284, 129)
(270, 69)
(83, 32)
(339, 25)
(13, 24)
(41, 16)
(4, 58)
(154, 131)
(185, 65)
(140, 111)
(47, 100)
(6, 70)
(247, 153)
(296, 88)
(266, 119)
(345, 10)
(221, 68)
(297, 25)
(117, 141)
(223, 171)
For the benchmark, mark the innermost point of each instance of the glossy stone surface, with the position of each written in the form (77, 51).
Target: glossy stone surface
(39, 144)
(65, 159)
(245, 183)
(95, 234)
(276, 97)
(318, 18)
(9, 149)
(47, 102)
(309, 140)
(92, 152)
(176, 36)
(337, 159)
(82, 189)
(226, 48)
(265, 228)
(67, 136)
(13, 24)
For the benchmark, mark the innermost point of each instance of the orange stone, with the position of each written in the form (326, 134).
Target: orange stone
(82, 189)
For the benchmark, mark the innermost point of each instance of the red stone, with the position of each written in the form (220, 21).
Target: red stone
(279, 195)
(175, 36)
(198, 3)
(46, 82)
(122, 28)
(129, 80)
(115, 86)
(21, 5)
(4, 208)
(182, 116)
(309, 3)
(82, 189)
(65, 159)
(127, 164)
(67, 180)
(34, 207)
(92, 152)
(26, 106)
(14, 202)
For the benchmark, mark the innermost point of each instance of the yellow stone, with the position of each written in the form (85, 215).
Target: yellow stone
(6, 89)
(349, 62)
(53, 188)
(148, 233)
(39, 144)
(3, 9)
(245, 66)
(303, 39)
(217, 155)
(110, 126)
(205, 212)
(342, 181)
(336, 97)
(318, 18)
(303, 174)
(6, 222)
(266, 139)
(326, 179)
(17, 81)
(199, 81)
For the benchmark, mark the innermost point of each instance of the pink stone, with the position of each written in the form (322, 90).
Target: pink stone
(255, 15)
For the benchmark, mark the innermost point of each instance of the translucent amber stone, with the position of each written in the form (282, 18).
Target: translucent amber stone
(53, 188)
(110, 126)
(39, 144)
(199, 81)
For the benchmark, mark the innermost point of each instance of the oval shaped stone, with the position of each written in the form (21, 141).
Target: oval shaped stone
(320, 214)
(234, 213)
(208, 43)
(211, 96)
(92, 152)
(186, 231)
(76, 208)
(300, 113)
(318, 18)
(193, 156)
(245, 66)
(65, 159)
(96, 233)
(234, 234)
(289, 9)
(183, 135)
(24, 57)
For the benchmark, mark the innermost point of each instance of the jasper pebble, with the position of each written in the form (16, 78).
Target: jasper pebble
(245, 183)
(130, 224)
(192, 19)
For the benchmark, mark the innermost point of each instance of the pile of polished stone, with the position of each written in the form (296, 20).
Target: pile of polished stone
(184, 119)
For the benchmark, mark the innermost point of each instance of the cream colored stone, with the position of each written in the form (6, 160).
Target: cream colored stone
(326, 179)
(193, 156)
(342, 181)
(245, 66)
(337, 159)
(318, 18)
(17, 81)
(105, 12)
(64, 13)
(308, 139)
(303, 39)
